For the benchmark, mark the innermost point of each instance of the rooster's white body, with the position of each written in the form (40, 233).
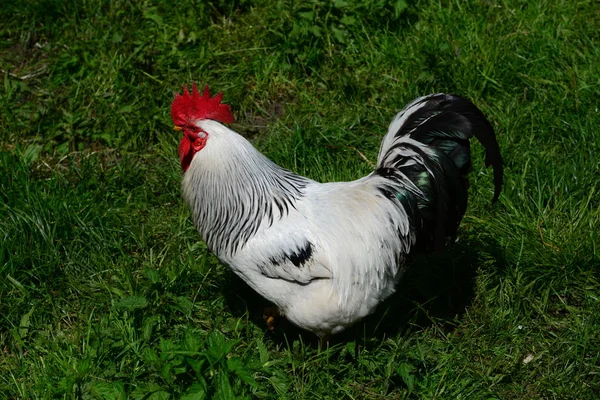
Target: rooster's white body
(328, 253)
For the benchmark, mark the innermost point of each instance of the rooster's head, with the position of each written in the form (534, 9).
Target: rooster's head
(189, 108)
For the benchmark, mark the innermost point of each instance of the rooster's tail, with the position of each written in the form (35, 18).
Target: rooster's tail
(426, 153)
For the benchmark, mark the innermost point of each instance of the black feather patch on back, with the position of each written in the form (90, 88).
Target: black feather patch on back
(298, 256)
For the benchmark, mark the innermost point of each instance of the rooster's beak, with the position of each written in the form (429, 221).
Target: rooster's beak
(177, 128)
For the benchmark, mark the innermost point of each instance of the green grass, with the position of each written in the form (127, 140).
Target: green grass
(106, 290)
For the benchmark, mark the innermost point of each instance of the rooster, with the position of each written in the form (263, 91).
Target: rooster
(326, 254)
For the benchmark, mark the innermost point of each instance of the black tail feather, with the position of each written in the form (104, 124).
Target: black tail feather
(444, 124)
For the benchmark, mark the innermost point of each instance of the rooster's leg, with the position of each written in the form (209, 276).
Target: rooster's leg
(269, 315)
(324, 341)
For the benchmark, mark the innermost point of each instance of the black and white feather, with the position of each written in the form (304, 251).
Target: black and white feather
(328, 253)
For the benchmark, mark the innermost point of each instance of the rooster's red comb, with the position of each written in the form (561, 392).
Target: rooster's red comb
(188, 107)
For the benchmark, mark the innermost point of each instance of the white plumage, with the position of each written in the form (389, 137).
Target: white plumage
(328, 253)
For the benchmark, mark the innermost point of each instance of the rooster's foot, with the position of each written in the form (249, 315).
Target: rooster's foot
(269, 315)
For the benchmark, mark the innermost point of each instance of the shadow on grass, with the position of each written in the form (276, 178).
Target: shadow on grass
(436, 289)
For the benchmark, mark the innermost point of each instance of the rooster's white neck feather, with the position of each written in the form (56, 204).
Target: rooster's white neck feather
(233, 189)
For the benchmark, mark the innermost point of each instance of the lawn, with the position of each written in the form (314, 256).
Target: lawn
(106, 289)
